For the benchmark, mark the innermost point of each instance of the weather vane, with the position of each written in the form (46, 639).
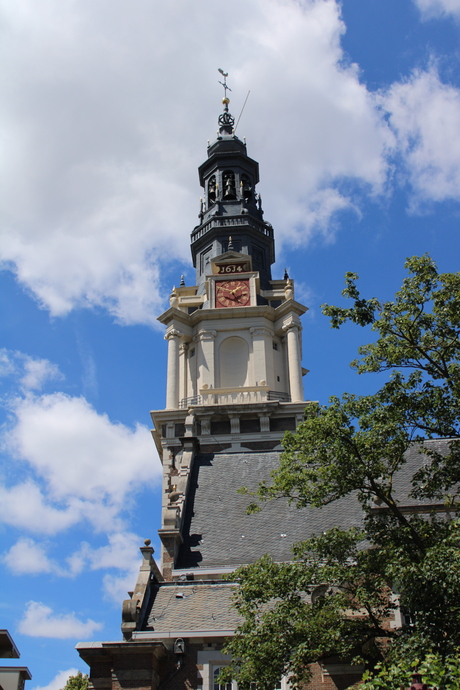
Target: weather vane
(224, 83)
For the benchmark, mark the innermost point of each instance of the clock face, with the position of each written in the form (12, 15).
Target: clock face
(232, 293)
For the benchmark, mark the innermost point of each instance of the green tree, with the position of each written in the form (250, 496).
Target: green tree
(335, 598)
(435, 671)
(78, 682)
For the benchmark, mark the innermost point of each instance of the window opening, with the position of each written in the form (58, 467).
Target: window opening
(220, 686)
(212, 190)
(246, 188)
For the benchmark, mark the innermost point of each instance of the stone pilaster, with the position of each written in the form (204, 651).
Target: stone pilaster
(205, 364)
(261, 339)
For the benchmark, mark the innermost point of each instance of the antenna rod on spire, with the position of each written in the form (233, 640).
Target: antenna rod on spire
(244, 104)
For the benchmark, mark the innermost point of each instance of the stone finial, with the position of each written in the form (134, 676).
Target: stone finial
(173, 298)
(147, 542)
(289, 290)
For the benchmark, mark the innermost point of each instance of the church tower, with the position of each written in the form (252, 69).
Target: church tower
(234, 386)
(234, 378)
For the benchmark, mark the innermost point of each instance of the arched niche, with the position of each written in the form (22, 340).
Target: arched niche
(233, 362)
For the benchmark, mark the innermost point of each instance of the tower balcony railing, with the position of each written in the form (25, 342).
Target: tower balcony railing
(201, 230)
(185, 403)
(281, 397)
(233, 396)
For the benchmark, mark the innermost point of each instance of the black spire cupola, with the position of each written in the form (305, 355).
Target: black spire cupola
(231, 210)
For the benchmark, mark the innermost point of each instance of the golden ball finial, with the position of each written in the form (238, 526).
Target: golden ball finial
(225, 100)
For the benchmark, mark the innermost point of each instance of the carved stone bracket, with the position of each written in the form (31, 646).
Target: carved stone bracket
(264, 421)
(234, 424)
(205, 335)
(261, 332)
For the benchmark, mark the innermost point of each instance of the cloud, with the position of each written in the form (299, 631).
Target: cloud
(30, 373)
(59, 680)
(25, 506)
(121, 551)
(116, 587)
(28, 557)
(104, 129)
(37, 372)
(438, 8)
(424, 114)
(7, 365)
(82, 466)
(39, 620)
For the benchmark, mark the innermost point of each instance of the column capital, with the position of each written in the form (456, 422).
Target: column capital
(292, 326)
(205, 335)
(172, 333)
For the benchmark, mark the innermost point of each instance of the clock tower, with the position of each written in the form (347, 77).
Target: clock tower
(234, 375)
(234, 387)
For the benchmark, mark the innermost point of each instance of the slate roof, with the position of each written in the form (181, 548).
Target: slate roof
(192, 606)
(414, 460)
(217, 530)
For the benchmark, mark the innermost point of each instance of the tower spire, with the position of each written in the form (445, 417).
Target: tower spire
(226, 120)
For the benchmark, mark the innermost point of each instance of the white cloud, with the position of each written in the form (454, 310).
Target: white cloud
(28, 557)
(39, 620)
(38, 372)
(121, 551)
(84, 467)
(116, 587)
(104, 128)
(59, 680)
(438, 8)
(30, 373)
(7, 365)
(424, 114)
(25, 506)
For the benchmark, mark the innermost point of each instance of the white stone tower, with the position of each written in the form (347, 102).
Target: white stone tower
(234, 380)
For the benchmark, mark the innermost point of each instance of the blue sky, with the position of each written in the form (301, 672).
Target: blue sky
(353, 115)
